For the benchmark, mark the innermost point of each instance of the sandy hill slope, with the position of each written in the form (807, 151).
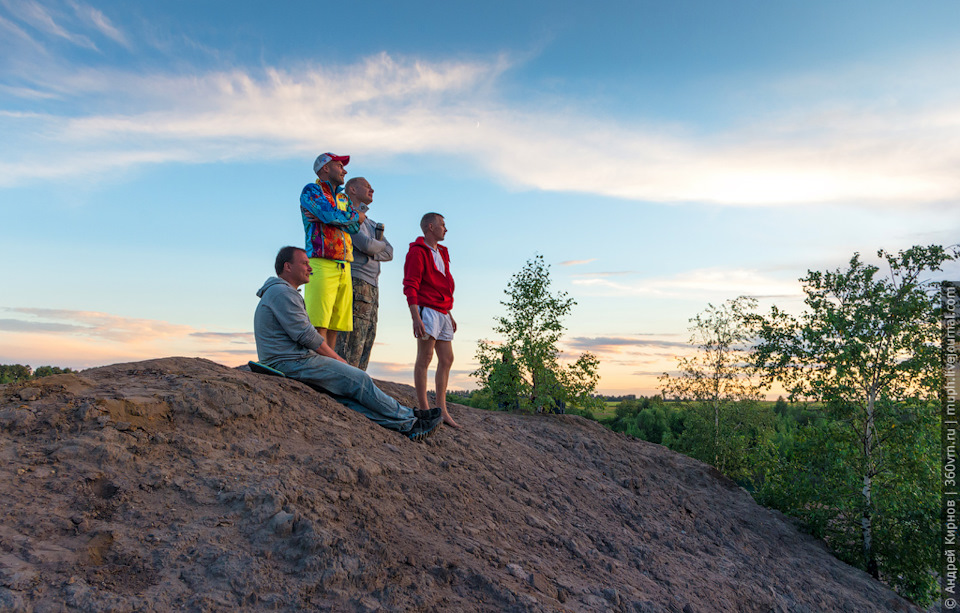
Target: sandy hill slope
(180, 484)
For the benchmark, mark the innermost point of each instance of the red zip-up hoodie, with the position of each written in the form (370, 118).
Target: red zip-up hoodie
(423, 284)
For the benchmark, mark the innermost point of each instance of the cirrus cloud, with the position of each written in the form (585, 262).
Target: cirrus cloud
(387, 105)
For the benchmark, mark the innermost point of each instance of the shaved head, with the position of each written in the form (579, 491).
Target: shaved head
(359, 190)
(428, 219)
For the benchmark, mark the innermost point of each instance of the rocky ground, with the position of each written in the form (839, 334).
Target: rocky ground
(180, 484)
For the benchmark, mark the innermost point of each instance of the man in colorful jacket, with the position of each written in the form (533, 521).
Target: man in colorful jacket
(328, 222)
(428, 286)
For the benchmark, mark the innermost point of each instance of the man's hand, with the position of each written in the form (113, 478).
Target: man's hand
(418, 329)
(453, 321)
(325, 350)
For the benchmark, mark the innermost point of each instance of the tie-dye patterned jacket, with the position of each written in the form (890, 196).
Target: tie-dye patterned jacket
(328, 221)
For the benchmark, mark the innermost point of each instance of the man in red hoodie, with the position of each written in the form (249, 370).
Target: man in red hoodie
(428, 286)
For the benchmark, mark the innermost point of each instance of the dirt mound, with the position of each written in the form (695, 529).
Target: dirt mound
(180, 484)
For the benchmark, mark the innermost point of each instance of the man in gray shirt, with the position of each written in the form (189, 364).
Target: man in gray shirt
(288, 342)
(370, 248)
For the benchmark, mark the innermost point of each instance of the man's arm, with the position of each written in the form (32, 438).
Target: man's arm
(325, 350)
(379, 250)
(354, 228)
(418, 329)
(294, 320)
(316, 205)
(292, 317)
(412, 275)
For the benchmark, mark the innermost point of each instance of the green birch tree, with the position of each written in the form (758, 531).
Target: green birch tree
(725, 424)
(523, 371)
(866, 350)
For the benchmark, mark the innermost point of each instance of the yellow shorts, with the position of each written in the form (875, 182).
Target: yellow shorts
(329, 295)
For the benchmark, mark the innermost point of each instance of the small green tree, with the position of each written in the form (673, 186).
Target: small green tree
(866, 349)
(724, 424)
(46, 371)
(11, 373)
(781, 406)
(504, 383)
(523, 371)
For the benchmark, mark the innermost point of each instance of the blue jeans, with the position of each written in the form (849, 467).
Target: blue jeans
(349, 386)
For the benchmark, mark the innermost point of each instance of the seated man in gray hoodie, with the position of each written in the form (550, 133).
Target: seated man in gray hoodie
(288, 342)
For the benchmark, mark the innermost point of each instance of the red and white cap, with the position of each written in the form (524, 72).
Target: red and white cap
(323, 158)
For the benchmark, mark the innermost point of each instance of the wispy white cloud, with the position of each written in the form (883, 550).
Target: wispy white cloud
(619, 344)
(19, 33)
(100, 22)
(228, 337)
(707, 283)
(651, 373)
(97, 326)
(100, 325)
(81, 339)
(19, 325)
(43, 19)
(577, 262)
(24, 93)
(632, 363)
(387, 106)
(383, 370)
(402, 372)
(618, 273)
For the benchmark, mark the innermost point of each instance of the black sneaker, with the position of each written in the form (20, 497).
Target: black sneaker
(428, 414)
(422, 428)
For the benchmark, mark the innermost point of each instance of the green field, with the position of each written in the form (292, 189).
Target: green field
(609, 410)
(610, 407)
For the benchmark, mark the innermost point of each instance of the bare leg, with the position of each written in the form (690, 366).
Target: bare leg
(444, 363)
(424, 356)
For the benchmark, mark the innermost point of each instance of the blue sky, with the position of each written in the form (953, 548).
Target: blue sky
(659, 155)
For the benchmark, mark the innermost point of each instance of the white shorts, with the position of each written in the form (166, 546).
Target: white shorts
(436, 324)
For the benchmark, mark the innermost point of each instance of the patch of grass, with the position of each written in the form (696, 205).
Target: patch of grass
(608, 411)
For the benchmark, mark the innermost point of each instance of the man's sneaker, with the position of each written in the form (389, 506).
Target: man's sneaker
(263, 369)
(422, 428)
(428, 414)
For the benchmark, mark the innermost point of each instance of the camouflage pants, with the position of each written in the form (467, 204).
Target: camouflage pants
(354, 347)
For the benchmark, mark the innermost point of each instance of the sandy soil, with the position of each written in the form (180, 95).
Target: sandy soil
(180, 484)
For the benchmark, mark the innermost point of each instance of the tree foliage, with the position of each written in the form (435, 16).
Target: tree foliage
(866, 350)
(11, 373)
(649, 419)
(523, 371)
(723, 426)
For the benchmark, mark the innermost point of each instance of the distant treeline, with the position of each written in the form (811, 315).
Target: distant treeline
(603, 397)
(11, 373)
(623, 398)
(460, 395)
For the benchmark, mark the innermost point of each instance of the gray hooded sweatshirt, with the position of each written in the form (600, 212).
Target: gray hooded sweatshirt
(281, 326)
